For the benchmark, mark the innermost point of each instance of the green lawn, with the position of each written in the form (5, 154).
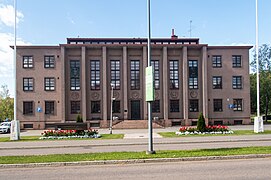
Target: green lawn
(36, 138)
(133, 155)
(236, 132)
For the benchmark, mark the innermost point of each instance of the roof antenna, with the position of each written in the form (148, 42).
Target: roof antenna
(190, 29)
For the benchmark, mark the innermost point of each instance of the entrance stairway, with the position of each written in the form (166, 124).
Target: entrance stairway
(137, 124)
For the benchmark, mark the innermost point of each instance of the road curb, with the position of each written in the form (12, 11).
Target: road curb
(134, 161)
(130, 144)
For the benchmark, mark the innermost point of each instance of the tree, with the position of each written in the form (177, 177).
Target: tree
(201, 126)
(265, 80)
(6, 103)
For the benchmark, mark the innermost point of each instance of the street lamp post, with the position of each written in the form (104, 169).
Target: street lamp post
(111, 109)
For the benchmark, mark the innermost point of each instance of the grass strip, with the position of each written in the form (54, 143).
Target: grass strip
(36, 138)
(236, 132)
(133, 155)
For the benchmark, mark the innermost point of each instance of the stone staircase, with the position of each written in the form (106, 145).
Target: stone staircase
(136, 124)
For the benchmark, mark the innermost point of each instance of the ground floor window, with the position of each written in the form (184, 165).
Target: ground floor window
(194, 105)
(95, 106)
(218, 105)
(75, 107)
(116, 107)
(237, 104)
(28, 107)
(49, 107)
(174, 106)
(156, 106)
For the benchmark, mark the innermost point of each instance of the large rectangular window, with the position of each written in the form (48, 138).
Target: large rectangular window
(28, 84)
(115, 73)
(74, 75)
(193, 105)
(95, 79)
(49, 61)
(174, 74)
(155, 65)
(217, 82)
(49, 107)
(236, 61)
(95, 106)
(174, 106)
(237, 82)
(75, 107)
(28, 107)
(156, 106)
(135, 75)
(49, 84)
(28, 62)
(116, 106)
(237, 104)
(193, 74)
(218, 105)
(217, 61)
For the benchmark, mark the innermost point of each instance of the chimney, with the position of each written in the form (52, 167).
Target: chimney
(173, 36)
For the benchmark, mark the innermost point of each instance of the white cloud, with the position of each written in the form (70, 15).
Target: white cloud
(7, 15)
(6, 54)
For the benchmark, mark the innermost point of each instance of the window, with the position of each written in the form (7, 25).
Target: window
(193, 74)
(156, 106)
(135, 75)
(28, 84)
(237, 82)
(193, 105)
(217, 82)
(28, 62)
(28, 107)
(236, 61)
(116, 106)
(95, 78)
(49, 107)
(174, 74)
(217, 63)
(95, 107)
(155, 65)
(74, 75)
(218, 105)
(49, 61)
(115, 73)
(174, 106)
(75, 107)
(237, 105)
(49, 84)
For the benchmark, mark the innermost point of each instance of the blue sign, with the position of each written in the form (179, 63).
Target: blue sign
(39, 109)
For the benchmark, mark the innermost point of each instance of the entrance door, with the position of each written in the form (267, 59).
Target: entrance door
(135, 109)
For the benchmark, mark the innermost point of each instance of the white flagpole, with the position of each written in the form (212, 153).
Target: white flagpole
(258, 121)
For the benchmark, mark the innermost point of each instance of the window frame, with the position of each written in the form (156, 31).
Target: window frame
(236, 61)
(75, 84)
(238, 104)
(115, 73)
(28, 62)
(95, 75)
(95, 107)
(218, 105)
(237, 82)
(28, 108)
(174, 105)
(217, 61)
(49, 84)
(193, 105)
(173, 74)
(156, 73)
(75, 107)
(193, 74)
(49, 108)
(116, 106)
(215, 82)
(135, 75)
(49, 61)
(28, 84)
(156, 106)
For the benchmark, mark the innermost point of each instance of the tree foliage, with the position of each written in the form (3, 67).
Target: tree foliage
(265, 80)
(201, 126)
(6, 104)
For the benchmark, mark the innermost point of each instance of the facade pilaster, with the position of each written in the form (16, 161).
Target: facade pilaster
(84, 88)
(125, 83)
(145, 59)
(204, 83)
(185, 86)
(104, 87)
(63, 86)
(165, 84)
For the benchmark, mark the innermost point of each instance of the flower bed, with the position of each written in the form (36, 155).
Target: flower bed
(208, 130)
(68, 134)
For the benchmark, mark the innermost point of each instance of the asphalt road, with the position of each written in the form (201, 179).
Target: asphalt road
(249, 169)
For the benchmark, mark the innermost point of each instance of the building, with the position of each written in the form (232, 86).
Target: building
(86, 76)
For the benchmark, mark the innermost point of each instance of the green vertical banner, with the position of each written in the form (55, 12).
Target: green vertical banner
(149, 84)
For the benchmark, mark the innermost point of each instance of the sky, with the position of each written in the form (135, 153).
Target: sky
(50, 22)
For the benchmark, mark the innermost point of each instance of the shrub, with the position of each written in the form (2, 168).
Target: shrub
(79, 118)
(201, 123)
